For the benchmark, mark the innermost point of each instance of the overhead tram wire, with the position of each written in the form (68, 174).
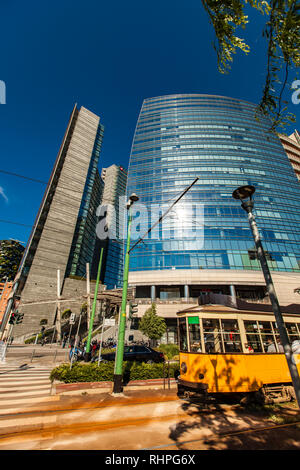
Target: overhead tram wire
(37, 181)
(163, 215)
(32, 226)
(80, 192)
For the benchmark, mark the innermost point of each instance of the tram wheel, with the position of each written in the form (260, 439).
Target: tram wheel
(252, 398)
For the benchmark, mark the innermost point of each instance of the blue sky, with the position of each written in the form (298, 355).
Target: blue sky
(108, 57)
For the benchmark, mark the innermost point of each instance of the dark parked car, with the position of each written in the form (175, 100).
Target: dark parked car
(136, 353)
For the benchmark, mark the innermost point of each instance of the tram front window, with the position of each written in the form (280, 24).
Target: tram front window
(194, 332)
(183, 335)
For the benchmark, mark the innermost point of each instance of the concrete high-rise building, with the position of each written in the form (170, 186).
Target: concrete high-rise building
(113, 201)
(291, 145)
(218, 140)
(64, 233)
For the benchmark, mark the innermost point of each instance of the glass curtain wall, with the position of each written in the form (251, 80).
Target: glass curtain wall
(218, 140)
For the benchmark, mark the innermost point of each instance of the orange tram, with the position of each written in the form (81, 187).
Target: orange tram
(228, 351)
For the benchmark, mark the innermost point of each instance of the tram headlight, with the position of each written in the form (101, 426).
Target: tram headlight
(183, 367)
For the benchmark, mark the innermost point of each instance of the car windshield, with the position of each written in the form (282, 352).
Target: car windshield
(128, 349)
(141, 349)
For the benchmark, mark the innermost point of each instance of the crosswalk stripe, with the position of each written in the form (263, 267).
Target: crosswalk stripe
(24, 380)
(23, 386)
(26, 394)
(22, 402)
(20, 391)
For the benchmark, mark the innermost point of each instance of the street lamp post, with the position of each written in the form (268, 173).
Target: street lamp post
(118, 386)
(246, 192)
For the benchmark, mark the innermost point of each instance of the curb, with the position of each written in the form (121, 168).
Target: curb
(59, 388)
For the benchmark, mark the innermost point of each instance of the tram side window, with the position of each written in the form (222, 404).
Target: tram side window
(231, 336)
(212, 336)
(194, 332)
(252, 335)
(292, 332)
(267, 336)
(183, 335)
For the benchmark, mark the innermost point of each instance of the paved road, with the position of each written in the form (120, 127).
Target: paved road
(152, 423)
(36, 353)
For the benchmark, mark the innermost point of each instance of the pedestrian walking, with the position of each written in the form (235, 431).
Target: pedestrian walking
(64, 340)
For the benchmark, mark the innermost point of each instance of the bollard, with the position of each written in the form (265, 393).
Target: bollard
(55, 355)
(164, 374)
(169, 375)
(32, 355)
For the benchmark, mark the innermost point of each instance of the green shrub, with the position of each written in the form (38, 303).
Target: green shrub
(47, 333)
(169, 350)
(31, 340)
(87, 372)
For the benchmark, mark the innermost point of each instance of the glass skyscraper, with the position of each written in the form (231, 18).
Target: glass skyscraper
(220, 141)
(114, 179)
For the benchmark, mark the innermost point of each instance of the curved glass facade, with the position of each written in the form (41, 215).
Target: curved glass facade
(218, 140)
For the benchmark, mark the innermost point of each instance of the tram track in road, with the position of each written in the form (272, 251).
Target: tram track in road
(90, 418)
(62, 438)
(136, 428)
(220, 436)
(61, 408)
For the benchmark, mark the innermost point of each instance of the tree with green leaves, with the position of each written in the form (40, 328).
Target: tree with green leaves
(151, 324)
(11, 252)
(283, 46)
(84, 308)
(66, 314)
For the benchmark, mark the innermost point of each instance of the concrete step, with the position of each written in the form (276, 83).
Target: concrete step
(112, 414)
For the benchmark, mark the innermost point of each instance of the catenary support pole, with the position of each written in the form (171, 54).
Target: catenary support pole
(88, 343)
(88, 294)
(101, 340)
(58, 317)
(118, 386)
(75, 341)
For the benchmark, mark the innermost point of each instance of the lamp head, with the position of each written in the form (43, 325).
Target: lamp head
(133, 197)
(243, 192)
